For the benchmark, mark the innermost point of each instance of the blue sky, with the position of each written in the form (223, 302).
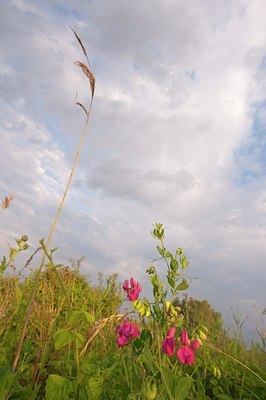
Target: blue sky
(177, 136)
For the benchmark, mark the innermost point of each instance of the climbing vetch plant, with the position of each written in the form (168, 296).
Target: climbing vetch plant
(158, 343)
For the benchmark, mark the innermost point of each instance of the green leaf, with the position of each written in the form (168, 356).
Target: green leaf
(160, 250)
(137, 346)
(6, 384)
(183, 285)
(62, 337)
(168, 380)
(146, 336)
(174, 264)
(88, 317)
(182, 387)
(94, 388)
(58, 387)
(171, 281)
(148, 360)
(79, 316)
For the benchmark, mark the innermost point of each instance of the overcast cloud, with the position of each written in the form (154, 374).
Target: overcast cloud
(177, 135)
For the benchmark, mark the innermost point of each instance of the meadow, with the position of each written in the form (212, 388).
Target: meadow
(79, 345)
(65, 337)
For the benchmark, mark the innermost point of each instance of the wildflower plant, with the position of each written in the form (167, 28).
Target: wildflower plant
(160, 345)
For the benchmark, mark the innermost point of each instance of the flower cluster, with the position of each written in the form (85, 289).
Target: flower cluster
(126, 331)
(185, 353)
(133, 291)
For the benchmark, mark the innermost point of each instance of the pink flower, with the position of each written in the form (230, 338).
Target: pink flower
(194, 344)
(171, 332)
(133, 291)
(126, 331)
(184, 338)
(186, 355)
(168, 344)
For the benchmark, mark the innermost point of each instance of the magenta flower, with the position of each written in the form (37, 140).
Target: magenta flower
(133, 291)
(184, 338)
(168, 344)
(126, 331)
(186, 355)
(194, 344)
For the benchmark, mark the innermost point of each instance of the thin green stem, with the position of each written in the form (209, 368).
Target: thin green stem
(125, 367)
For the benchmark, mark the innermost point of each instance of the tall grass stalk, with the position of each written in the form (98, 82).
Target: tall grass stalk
(87, 71)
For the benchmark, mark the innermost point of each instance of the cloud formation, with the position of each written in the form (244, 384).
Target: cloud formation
(177, 135)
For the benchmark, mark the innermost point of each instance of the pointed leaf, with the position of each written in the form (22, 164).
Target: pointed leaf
(62, 337)
(182, 387)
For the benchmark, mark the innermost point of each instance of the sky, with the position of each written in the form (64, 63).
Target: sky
(177, 135)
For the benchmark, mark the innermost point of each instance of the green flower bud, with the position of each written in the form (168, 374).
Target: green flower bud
(202, 335)
(151, 391)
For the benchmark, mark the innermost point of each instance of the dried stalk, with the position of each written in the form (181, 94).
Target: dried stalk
(87, 71)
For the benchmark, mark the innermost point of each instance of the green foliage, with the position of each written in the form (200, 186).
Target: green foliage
(69, 350)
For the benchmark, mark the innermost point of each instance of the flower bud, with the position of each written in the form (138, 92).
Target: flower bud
(151, 391)
(202, 335)
(184, 337)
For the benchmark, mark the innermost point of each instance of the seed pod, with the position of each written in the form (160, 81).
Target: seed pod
(142, 310)
(148, 312)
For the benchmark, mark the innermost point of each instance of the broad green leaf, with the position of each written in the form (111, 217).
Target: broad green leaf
(94, 388)
(168, 380)
(62, 337)
(183, 285)
(74, 317)
(58, 387)
(78, 316)
(88, 317)
(182, 387)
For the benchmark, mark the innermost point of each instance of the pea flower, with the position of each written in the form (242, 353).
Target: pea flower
(133, 291)
(186, 352)
(169, 343)
(126, 331)
(186, 355)
(184, 338)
